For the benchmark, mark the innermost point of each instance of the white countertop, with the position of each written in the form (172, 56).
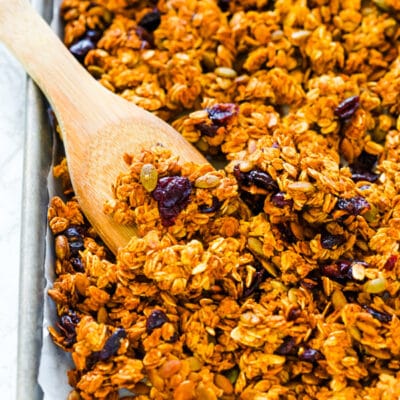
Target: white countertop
(12, 121)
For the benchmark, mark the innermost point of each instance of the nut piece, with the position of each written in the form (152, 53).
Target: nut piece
(224, 383)
(207, 181)
(255, 246)
(377, 285)
(149, 177)
(170, 368)
(61, 247)
(185, 391)
(225, 72)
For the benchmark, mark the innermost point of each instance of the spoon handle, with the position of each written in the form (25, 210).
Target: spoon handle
(44, 57)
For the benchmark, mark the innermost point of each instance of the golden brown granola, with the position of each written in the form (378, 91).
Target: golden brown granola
(276, 276)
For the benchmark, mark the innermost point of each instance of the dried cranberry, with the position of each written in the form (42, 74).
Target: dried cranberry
(239, 175)
(81, 48)
(77, 264)
(258, 278)
(309, 283)
(156, 319)
(310, 355)
(340, 270)
(347, 107)
(390, 263)
(362, 168)
(173, 338)
(207, 130)
(220, 114)
(359, 175)
(76, 246)
(255, 177)
(287, 346)
(146, 37)
(172, 194)
(73, 232)
(67, 326)
(224, 5)
(262, 180)
(278, 200)
(380, 316)
(294, 313)
(329, 241)
(365, 161)
(254, 201)
(112, 344)
(351, 296)
(151, 21)
(286, 233)
(354, 205)
(93, 34)
(205, 209)
(68, 322)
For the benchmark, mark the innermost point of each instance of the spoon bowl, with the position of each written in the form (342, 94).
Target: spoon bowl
(97, 126)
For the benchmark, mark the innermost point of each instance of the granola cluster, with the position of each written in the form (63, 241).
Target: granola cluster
(276, 276)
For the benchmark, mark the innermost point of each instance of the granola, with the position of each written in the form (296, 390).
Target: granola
(277, 275)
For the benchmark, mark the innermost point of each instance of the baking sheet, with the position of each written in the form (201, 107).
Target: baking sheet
(41, 369)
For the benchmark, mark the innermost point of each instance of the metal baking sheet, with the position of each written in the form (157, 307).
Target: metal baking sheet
(37, 160)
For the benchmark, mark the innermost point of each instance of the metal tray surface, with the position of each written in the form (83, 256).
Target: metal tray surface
(37, 160)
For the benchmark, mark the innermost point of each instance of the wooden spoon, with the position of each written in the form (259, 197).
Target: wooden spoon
(97, 126)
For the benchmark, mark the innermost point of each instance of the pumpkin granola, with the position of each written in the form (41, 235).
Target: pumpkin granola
(276, 276)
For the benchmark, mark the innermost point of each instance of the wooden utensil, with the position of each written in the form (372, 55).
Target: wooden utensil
(97, 126)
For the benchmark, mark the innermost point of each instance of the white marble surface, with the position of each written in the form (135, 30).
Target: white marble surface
(12, 121)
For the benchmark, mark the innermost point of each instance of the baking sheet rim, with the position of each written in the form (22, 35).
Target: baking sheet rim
(36, 164)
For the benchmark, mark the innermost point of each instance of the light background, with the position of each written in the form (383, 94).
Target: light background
(12, 122)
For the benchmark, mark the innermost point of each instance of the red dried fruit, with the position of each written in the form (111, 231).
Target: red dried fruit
(254, 201)
(172, 194)
(359, 175)
(329, 241)
(112, 344)
(347, 107)
(340, 270)
(258, 278)
(255, 177)
(287, 346)
(278, 200)
(205, 209)
(77, 264)
(390, 263)
(310, 355)
(294, 313)
(206, 129)
(80, 48)
(220, 114)
(286, 233)
(362, 168)
(380, 316)
(156, 319)
(354, 205)
(67, 326)
(151, 21)
(224, 5)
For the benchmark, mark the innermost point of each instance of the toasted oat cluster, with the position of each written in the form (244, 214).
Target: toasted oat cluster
(276, 276)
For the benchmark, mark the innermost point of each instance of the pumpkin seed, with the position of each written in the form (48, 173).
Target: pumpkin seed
(377, 285)
(225, 72)
(149, 177)
(207, 181)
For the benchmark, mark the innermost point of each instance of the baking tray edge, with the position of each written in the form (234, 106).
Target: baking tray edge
(37, 159)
